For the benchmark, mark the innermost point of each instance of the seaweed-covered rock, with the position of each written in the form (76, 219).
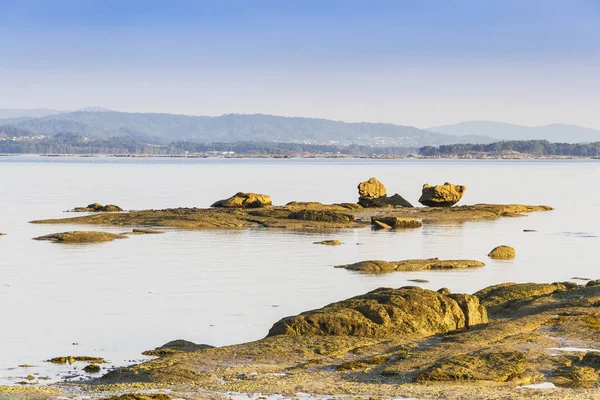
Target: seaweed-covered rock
(445, 195)
(321, 216)
(81, 237)
(474, 312)
(504, 292)
(329, 242)
(582, 374)
(176, 346)
(384, 312)
(92, 368)
(395, 222)
(244, 200)
(502, 253)
(493, 366)
(97, 207)
(410, 265)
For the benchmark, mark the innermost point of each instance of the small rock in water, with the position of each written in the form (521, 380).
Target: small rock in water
(502, 253)
(580, 278)
(418, 280)
(529, 230)
(329, 242)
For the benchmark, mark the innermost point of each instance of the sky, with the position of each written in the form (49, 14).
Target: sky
(421, 63)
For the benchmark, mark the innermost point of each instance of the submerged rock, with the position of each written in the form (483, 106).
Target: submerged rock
(502, 253)
(493, 366)
(395, 223)
(97, 207)
(445, 195)
(408, 311)
(143, 232)
(81, 237)
(72, 359)
(410, 265)
(329, 242)
(244, 200)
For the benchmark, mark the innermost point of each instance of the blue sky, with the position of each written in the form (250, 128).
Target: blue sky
(418, 63)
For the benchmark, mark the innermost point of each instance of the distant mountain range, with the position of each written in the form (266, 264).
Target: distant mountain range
(164, 128)
(101, 123)
(562, 133)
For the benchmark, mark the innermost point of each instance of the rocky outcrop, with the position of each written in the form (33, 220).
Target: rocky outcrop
(97, 207)
(410, 265)
(384, 312)
(81, 237)
(445, 195)
(502, 253)
(371, 189)
(394, 223)
(244, 200)
(506, 292)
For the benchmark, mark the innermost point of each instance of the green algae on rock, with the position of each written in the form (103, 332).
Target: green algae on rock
(410, 265)
(503, 293)
(81, 237)
(502, 253)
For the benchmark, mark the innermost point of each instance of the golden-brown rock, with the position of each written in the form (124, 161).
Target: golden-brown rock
(445, 195)
(502, 253)
(81, 237)
(245, 200)
(410, 265)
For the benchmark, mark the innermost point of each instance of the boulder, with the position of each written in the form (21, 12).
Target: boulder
(393, 201)
(371, 189)
(244, 200)
(395, 222)
(406, 312)
(502, 253)
(329, 242)
(445, 195)
(505, 292)
(474, 312)
(176, 346)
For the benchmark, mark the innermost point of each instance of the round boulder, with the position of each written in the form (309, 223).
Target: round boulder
(445, 195)
(502, 253)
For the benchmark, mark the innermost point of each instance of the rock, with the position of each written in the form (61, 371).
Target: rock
(30, 377)
(71, 359)
(393, 201)
(595, 282)
(371, 189)
(329, 242)
(384, 312)
(244, 200)
(529, 230)
(97, 207)
(143, 232)
(321, 216)
(582, 374)
(176, 346)
(81, 237)
(502, 253)
(493, 366)
(445, 195)
(410, 265)
(505, 292)
(419, 281)
(92, 368)
(474, 312)
(445, 291)
(379, 225)
(2, 234)
(395, 222)
(139, 396)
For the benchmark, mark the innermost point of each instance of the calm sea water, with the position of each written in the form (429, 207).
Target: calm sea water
(118, 299)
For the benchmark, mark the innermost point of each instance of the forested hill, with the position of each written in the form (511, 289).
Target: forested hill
(530, 147)
(229, 128)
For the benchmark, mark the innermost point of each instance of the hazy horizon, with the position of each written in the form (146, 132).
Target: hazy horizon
(428, 64)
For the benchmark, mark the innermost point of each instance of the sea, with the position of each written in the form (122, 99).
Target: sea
(220, 287)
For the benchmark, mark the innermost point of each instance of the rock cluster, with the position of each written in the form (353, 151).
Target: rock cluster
(97, 207)
(244, 200)
(445, 195)
(372, 193)
(384, 312)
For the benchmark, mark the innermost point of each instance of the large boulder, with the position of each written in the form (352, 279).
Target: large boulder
(445, 195)
(244, 200)
(371, 189)
(502, 253)
(407, 312)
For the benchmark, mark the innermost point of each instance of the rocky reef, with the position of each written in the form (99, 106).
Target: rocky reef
(81, 237)
(408, 342)
(445, 195)
(410, 265)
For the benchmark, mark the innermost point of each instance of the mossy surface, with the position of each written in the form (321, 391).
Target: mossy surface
(377, 266)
